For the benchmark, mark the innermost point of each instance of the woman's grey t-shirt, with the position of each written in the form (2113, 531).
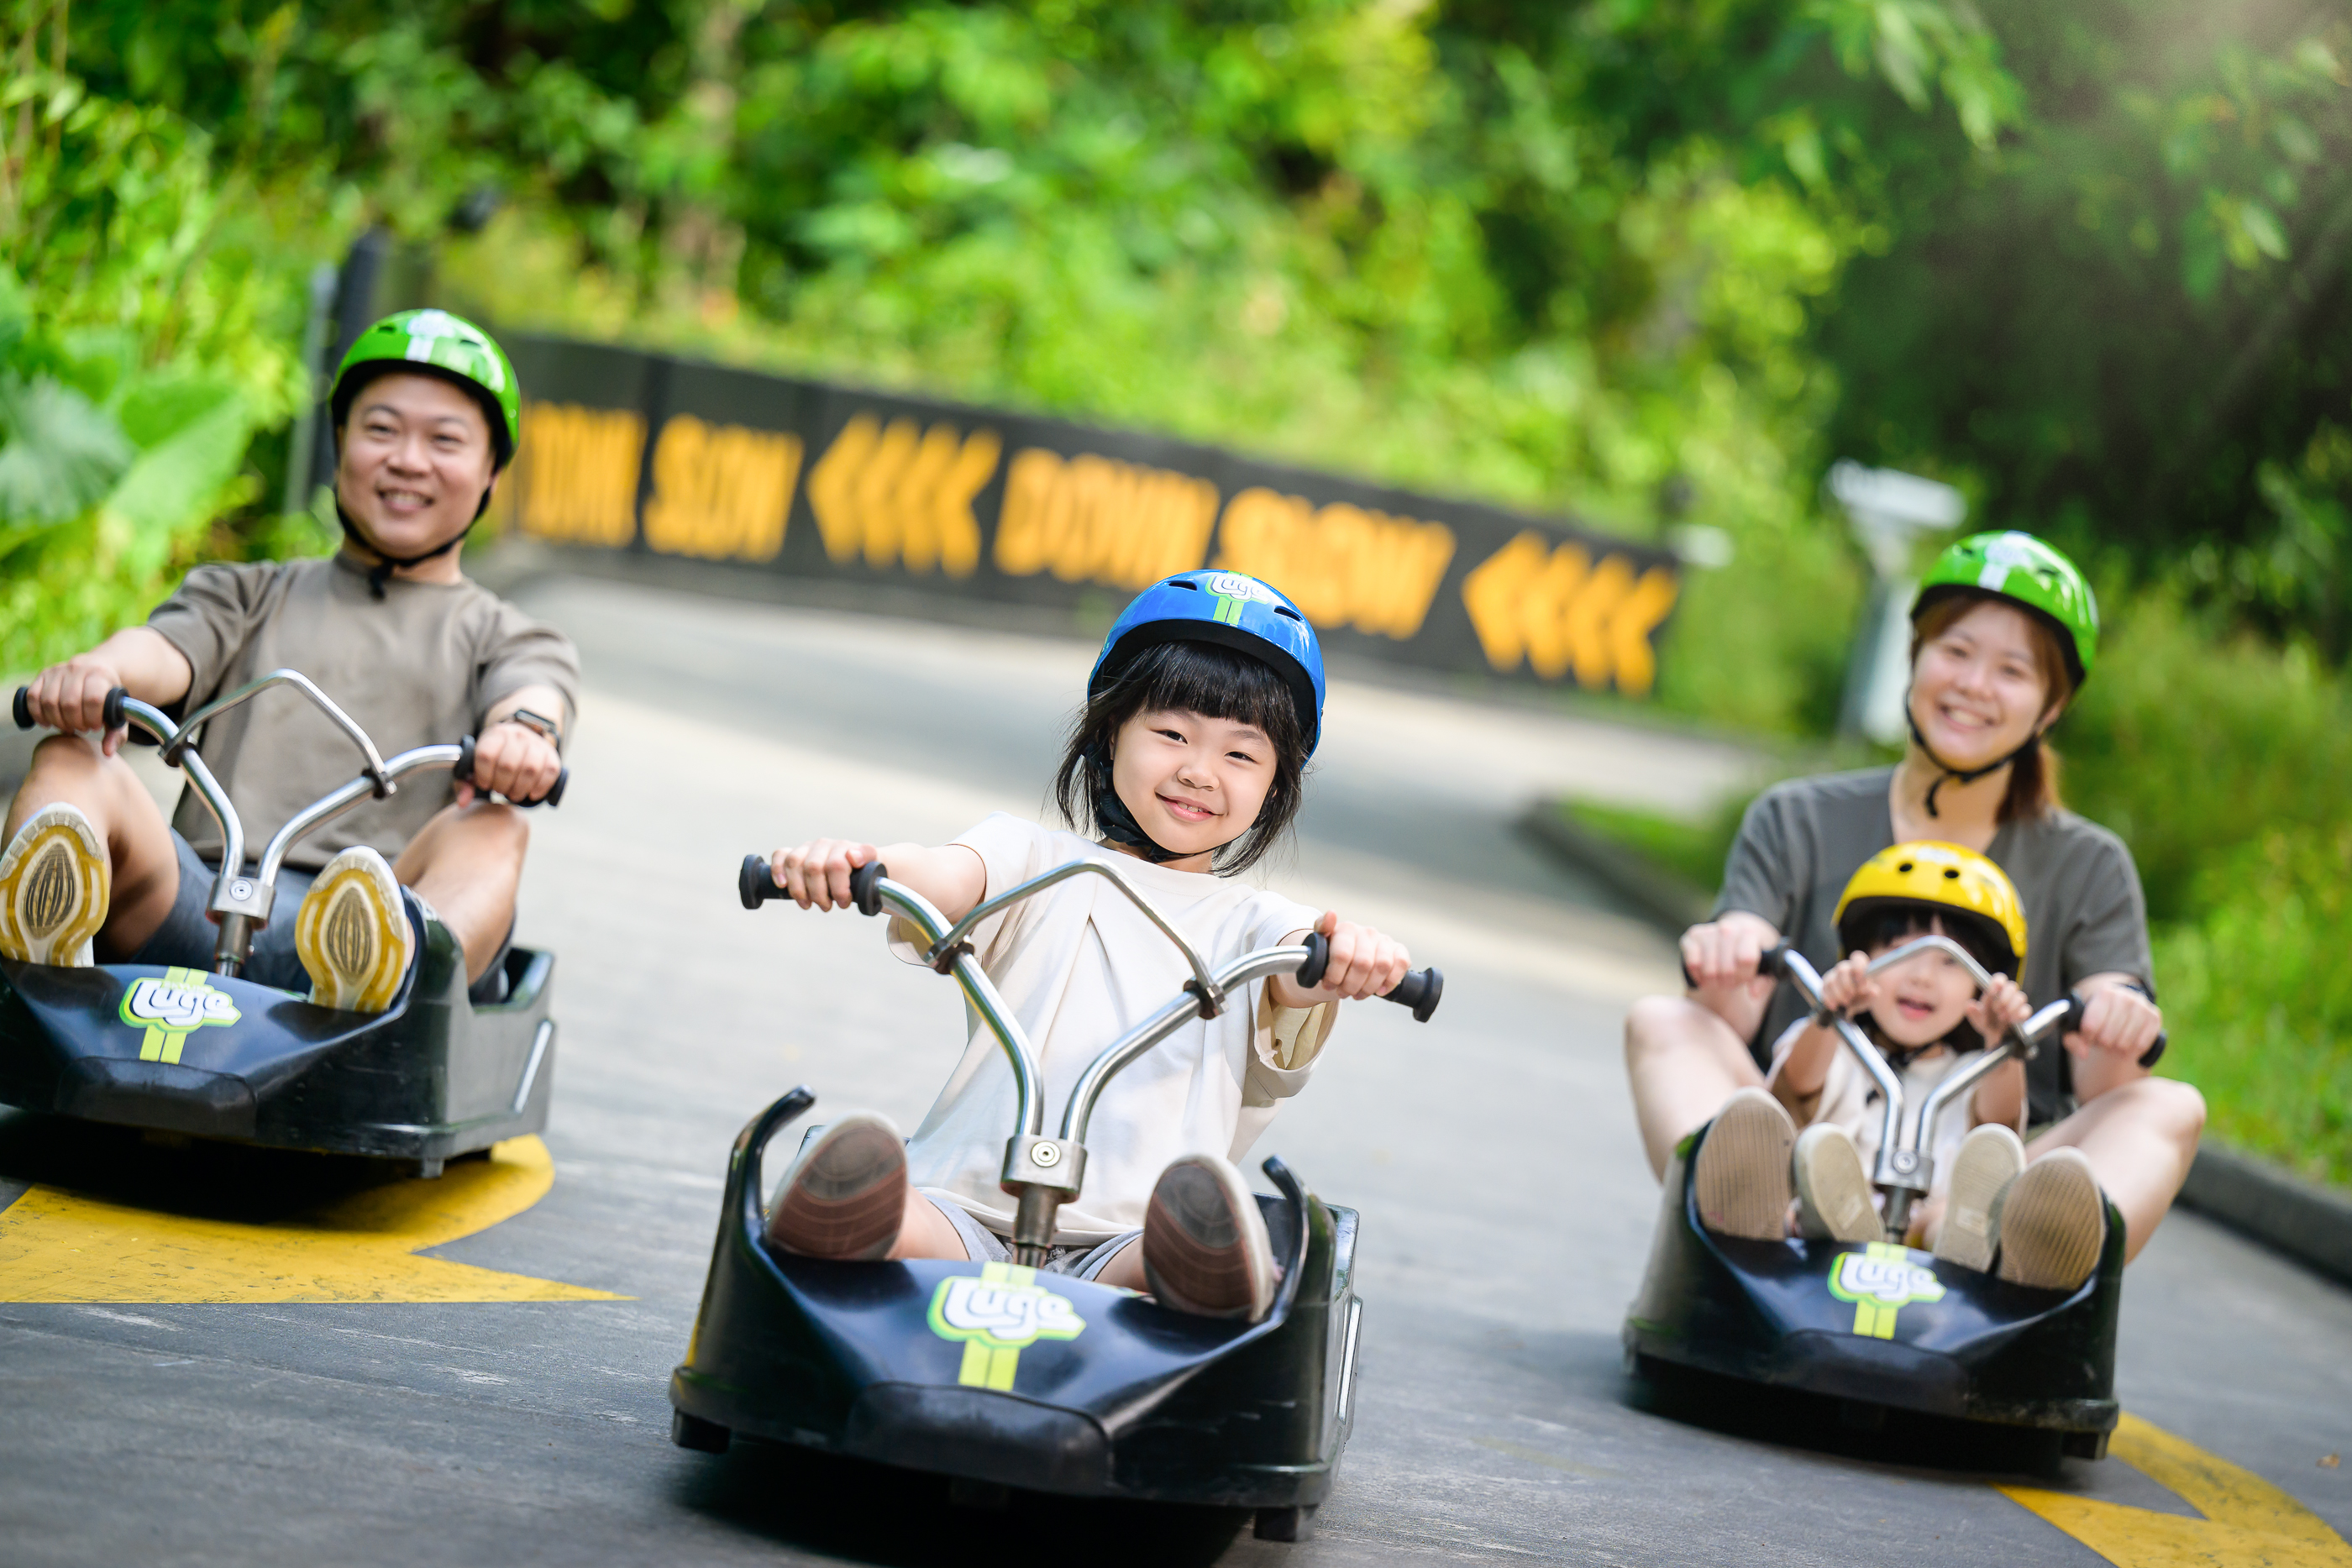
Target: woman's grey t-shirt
(1801, 841)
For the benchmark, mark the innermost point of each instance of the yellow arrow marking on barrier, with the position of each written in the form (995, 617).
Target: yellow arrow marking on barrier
(57, 1245)
(2248, 1522)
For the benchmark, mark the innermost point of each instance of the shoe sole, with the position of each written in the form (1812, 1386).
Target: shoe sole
(1742, 1177)
(1988, 1163)
(1831, 1185)
(1206, 1248)
(55, 891)
(2052, 1223)
(351, 933)
(845, 1198)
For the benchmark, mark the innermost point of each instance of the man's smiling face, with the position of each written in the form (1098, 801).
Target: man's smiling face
(417, 457)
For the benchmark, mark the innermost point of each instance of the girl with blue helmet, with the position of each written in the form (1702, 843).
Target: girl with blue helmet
(1184, 766)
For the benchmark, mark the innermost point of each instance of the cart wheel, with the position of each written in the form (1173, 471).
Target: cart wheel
(2084, 1445)
(694, 1432)
(1285, 1523)
(429, 1170)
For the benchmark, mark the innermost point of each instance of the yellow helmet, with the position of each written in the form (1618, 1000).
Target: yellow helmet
(1958, 883)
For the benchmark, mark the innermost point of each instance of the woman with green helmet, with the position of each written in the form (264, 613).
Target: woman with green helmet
(2004, 633)
(425, 409)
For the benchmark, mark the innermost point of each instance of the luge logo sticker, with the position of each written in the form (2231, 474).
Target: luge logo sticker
(996, 1315)
(1880, 1281)
(170, 1008)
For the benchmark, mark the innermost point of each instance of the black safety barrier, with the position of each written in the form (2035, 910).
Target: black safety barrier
(629, 450)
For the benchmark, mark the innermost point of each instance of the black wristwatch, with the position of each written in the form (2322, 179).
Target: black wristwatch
(539, 724)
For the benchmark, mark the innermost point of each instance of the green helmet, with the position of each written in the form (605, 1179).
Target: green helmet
(439, 344)
(2019, 566)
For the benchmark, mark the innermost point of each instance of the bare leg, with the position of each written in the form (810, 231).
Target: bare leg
(1125, 1269)
(927, 1233)
(1685, 1063)
(467, 864)
(2139, 1138)
(145, 866)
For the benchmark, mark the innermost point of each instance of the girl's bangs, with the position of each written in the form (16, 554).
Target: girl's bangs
(1216, 683)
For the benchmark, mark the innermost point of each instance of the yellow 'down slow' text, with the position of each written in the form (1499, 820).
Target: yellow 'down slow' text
(898, 494)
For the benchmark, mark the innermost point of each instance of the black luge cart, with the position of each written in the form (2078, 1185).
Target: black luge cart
(207, 1053)
(1879, 1324)
(1000, 1376)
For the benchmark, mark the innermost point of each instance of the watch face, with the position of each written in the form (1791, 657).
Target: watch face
(544, 727)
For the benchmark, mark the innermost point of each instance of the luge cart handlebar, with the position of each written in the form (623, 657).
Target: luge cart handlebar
(1045, 1173)
(241, 904)
(1907, 1164)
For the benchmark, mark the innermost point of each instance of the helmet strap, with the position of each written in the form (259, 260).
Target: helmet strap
(1951, 775)
(381, 572)
(1116, 822)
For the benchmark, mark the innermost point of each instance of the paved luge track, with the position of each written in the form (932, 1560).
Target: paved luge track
(1505, 1205)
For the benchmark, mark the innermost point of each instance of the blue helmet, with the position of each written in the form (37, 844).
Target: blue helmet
(1228, 608)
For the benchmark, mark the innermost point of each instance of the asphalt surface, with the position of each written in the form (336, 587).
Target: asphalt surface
(1506, 1204)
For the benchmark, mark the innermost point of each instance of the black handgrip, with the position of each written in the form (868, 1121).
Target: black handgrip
(863, 891)
(1419, 990)
(1319, 958)
(112, 715)
(2072, 1021)
(463, 773)
(1768, 964)
(757, 883)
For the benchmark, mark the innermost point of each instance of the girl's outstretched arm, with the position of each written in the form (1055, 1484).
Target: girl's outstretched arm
(1364, 963)
(816, 873)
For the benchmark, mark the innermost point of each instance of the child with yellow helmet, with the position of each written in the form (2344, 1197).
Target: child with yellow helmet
(1758, 1176)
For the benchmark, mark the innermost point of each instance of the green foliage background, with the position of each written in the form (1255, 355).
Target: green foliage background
(1654, 261)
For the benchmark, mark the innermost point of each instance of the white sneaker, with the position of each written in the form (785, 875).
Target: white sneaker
(1834, 1192)
(1206, 1248)
(351, 933)
(2052, 1223)
(1990, 1157)
(1742, 1172)
(56, 882)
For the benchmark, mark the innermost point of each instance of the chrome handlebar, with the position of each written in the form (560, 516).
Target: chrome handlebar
(1905, 1166)
(240, 903)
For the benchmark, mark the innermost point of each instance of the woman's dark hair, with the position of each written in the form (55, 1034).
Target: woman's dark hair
(1214, 682)
(2033, 776)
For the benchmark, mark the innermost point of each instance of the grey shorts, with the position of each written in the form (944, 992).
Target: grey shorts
(985, 1246)
(187, 936)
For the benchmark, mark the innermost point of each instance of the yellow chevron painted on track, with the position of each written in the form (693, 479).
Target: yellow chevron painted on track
(2248, 1522)
(57, 1245)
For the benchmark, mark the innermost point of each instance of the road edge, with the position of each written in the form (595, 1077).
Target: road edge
(2308, 1222)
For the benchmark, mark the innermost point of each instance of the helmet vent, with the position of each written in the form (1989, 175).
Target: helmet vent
(1286, 610)
(1183, 582)
(1951, 874)
(1906, 869)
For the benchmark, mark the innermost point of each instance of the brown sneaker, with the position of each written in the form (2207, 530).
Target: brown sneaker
(55, 883)
(2052, 1223)
(1205, 1243)
(1990, 1158)
(1743, 1170)
(846, 1197)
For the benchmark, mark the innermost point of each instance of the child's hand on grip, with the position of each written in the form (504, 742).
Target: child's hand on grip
(816, 873)
(1364, 963)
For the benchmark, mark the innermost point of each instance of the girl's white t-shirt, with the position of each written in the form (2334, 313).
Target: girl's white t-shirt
(1078, 964)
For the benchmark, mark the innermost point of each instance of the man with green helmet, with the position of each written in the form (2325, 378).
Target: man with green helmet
(425, 412)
